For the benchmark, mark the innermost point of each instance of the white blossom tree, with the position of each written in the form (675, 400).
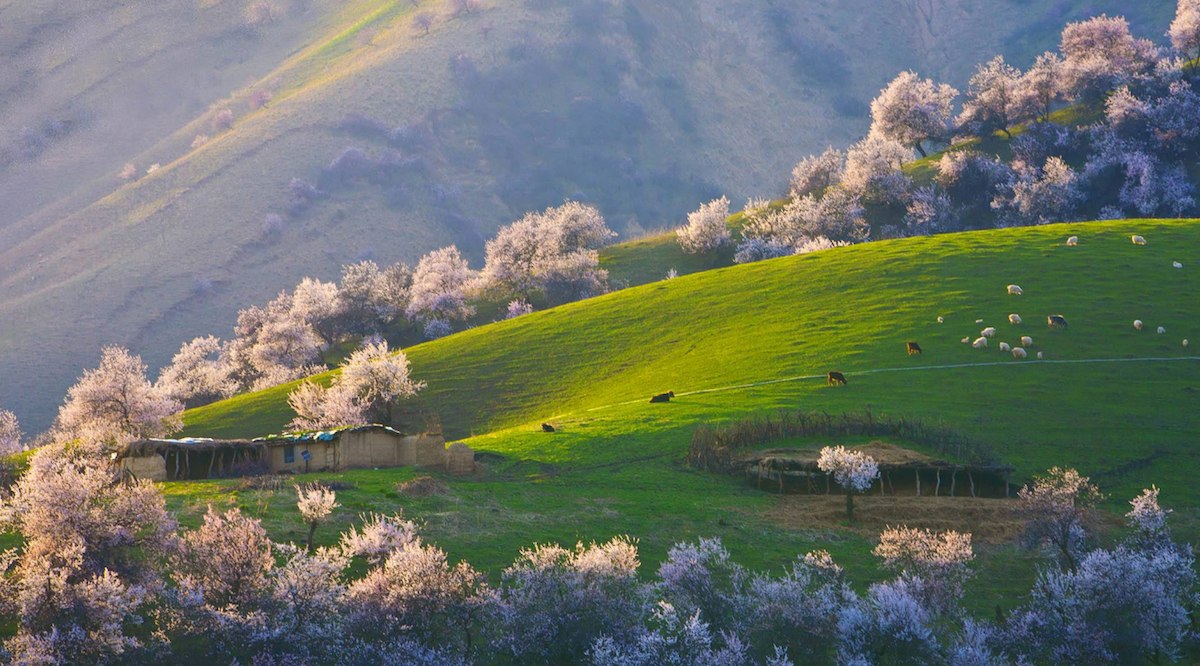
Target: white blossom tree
(930, 212)
(10, 433)
(1185, 29)
(1100, 55)
(994, 101)
(379, 379)
(854, 471)
(318, 305)
(1042, 196)
(874, 169)
(1040, 87)
(911, 111)
(706, 229)
(315, 503)
(442, 284)
(199, 373)
(115, 403)
(1059, 513)
(371, 297)
(935, 564)
(816, 173)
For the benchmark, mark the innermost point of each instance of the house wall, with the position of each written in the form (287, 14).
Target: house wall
(367, 449)
(152, 467)
(324, 457)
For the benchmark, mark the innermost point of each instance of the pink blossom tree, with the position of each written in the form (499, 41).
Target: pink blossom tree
(911, 111)
(442, 284)
(1185, 29)
(854, 471)
(199, 373)
(1059, 510)
(315, 503)
(10, 433)
(935, 564)
(874, 170)
(1040, 87)
(1100, 55)
(993, 99)
(115, 403)
(817, 173)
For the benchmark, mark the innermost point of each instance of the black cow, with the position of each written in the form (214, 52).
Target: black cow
(663, 397)
(835, 377)
(546, 427)
(1056, 321)
(913, 348)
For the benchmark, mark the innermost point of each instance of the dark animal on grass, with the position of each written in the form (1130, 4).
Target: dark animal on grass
(663, 397)
(1056, 321)
(546, 427)
(913, 348)
(835, 377)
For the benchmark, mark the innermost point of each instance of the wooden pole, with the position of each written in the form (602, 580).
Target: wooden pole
(176, 465)
(187, 463)
(953, 480)
(972, 480)
(212, 461)
(938, 487)
(918, 482)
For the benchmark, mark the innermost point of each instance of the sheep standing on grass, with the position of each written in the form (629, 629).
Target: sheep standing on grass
(852, 470)
(1161, 330)
(1014, 290)
(1026, 341)
(1014, 319)
(980, 343)
(1073, 240)
(940, 320)
(1137, 323)
(1017, 352)
(1039, 356)
(1138, 240)
(988, 332)
(1176, 264)
(1004, 347)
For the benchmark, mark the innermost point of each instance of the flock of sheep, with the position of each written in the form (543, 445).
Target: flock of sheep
(1054, 321)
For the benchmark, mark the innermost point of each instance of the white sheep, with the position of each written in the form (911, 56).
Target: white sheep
(980, 343)
(966, 339)
(1138, 240)
(1026, 341)
(978, 321)
(1161, 330)
(1073, 240)
(1014, 290)
(1014, 318)
(1137, 323)
(1004, 347)
(988, 332)
(1176, 264)
(940, 320)
(1018, 352)
(1039, 356)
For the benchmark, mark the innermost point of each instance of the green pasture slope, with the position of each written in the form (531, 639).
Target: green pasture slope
(615, 466)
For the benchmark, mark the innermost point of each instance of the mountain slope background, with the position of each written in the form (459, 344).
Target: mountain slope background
(643, 108)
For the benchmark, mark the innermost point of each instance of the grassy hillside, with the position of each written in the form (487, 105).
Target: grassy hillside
(615, 464)
(644, 107)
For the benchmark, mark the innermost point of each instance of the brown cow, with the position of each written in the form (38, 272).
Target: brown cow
(1056, 321)
(835, 377)
(663, 397)
(913, 348)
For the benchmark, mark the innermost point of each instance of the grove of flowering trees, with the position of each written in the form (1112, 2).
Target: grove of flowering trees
(1131, 156)
(105, 575)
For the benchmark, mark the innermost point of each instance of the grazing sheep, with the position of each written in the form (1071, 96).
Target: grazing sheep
(966, 339)
(1014, 290)
(835, 377)
(1056, 321)
(980, 343)
(1039, 356)
(546, 427)
(1137, 323)
(1014, 318)
(988, 332)
(1176, 264)
(1073, 240)
(1018, 352)
(1026, 341)
(663, 397)
(1004, 347)
(978, 321)
(913, 348)
(1161, 330)
(1138, 240)
(940, 320)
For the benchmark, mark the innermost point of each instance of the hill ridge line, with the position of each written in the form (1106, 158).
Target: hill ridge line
(783, 380)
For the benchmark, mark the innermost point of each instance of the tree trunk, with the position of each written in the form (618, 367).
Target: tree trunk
(921, 150)
(312, 529)
(849, 505)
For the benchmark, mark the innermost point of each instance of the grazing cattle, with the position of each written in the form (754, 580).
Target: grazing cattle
(1137, 323)
(1018, 352)
(1161, 330)
(1026, 341)
(1073, 240)
(1176, 264)
(980, 343)
(1056, 321)
(1014, 290)
(546, 427)
(1039, 356)
(1004, 347)
(663, 397)
(940, 320)
(1138, 240)
(913, 348)
(988, 332)
(834, 377)
(1014, 318)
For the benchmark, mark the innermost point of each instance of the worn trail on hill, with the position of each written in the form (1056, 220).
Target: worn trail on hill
(783, 380)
